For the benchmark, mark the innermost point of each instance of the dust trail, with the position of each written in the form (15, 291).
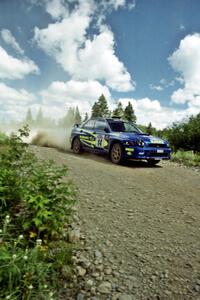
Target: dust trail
(55, 138)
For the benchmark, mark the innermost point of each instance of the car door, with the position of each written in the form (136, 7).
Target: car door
(87, 136)
(102, 137)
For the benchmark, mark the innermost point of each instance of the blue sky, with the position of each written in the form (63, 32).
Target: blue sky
(60, 53)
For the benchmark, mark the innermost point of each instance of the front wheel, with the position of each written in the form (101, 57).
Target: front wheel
(76, 146)
(116, 153)
(152, 162)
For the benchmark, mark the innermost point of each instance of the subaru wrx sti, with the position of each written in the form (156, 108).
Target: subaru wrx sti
(119, 139)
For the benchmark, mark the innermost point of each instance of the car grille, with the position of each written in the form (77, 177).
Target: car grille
(155, 145)
(155, 154)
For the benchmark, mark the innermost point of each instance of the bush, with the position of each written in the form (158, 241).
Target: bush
(35, 210)
(185, 135)
(188, 158)
(3, 138)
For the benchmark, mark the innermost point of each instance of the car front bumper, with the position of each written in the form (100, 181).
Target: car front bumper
(147, 153)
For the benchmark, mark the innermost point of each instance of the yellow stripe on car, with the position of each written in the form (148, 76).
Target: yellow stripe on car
(129, 149)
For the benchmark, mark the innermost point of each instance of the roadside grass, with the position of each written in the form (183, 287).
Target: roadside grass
(188, 158)
(35, 213)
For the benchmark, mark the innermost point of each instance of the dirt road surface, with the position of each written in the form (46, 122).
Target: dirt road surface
(146, 219)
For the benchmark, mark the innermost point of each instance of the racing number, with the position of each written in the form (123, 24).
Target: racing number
(99, 141)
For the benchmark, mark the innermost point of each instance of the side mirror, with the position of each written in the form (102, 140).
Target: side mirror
(106, 129)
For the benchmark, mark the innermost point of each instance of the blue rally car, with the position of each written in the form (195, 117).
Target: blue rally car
(119, 139)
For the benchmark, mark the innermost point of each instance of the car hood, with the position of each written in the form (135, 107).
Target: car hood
(144, 137)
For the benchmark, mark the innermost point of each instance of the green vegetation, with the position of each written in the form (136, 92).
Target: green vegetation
(187, 158)
(185, 135)
(126, 114)
(129, 114)
(72, 117)
(3, 139)
(100, 108)
(35, 211)
(119, 111)
(184, 138)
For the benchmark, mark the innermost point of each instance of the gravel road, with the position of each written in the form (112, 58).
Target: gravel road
(145, 220)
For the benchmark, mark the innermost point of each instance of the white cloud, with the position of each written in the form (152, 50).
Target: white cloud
(72, 93)
(131, 5)
(163, 84)
(81, 57)
(116, 3)
(55, 100)
(10, 40)
(13, 68)
(62, 39)
(156, 87)
(166, 83)
(9, 95)
(148, 110)
(98, 61)
(14, 102)
(105, 6)
(186, 61)
(56, 8)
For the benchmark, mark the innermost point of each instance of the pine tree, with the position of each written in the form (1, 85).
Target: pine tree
(118, 112)
(129, 114)
(77, 116)
(149, 129)
(103, 106)
(29, 118)
(69, 118)
(100, 108)
(95, 110)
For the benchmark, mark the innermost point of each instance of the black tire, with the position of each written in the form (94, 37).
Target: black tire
(76, 146)
(152, 162)
(116, 153)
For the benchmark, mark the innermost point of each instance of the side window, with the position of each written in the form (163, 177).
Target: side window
(100, 125)
(89, 124)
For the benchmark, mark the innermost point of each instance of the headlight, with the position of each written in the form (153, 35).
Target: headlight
(140, 143)
(130, 143)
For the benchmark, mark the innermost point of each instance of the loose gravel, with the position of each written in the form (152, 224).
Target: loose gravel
(138, 228)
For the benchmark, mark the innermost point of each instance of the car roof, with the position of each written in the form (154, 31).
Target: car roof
(106, 119)
(115, 119)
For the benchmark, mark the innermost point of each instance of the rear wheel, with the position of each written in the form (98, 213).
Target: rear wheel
(116, 153)
(76, 146)
(152, 162)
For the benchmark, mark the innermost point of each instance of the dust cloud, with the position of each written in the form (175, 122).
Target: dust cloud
(55, 138)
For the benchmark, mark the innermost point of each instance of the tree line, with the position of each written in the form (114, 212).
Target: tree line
(42, 121)
(73, 116)
(184, 135)
(100, 109)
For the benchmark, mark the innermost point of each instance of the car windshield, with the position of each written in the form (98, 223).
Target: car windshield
(122, 126)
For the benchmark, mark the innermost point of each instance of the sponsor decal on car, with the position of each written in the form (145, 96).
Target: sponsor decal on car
(99, 141)
(156, 141)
